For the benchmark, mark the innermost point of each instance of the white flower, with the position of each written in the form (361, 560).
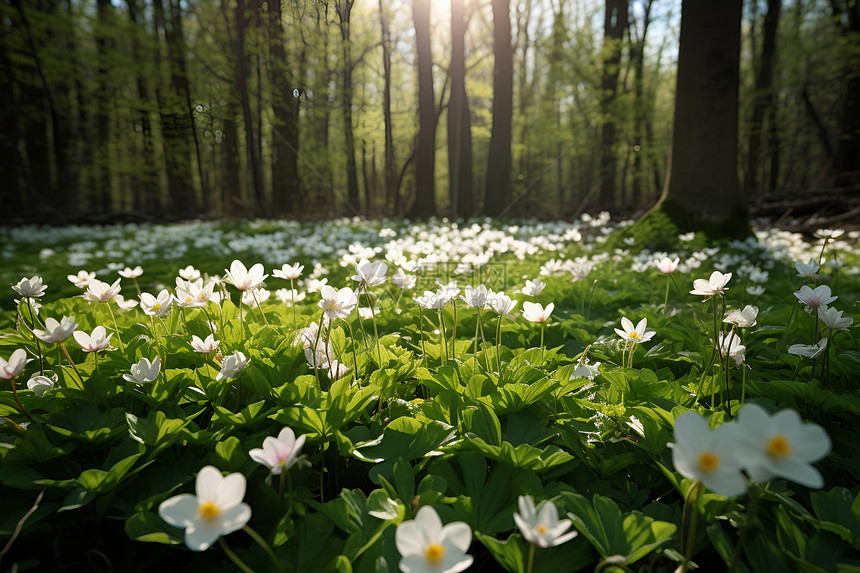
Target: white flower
(829, 233)
(15, 365)
(501, 304)
(316, 285)
(243, 278)
(288, 296)
(369, 274)
(715, 285)
(131, 273)
(730, 345)
(156, 306)
(124, 305)
(780, 446)
(808, 350)
(449, 291)
(540, 526)
(427, 547)
(477, 297)
(31, 287)
(144, 371)
(667, 266)
(281, 453)
(815, 298)
(56, 332)
(534, 312)
(755, 290)
(40, 384)
(231, 365)
(833, 318)
(216, 510)
(431, 300)
(743, 318)
(189, 273)
(289, 272)
(255, 297)
(639, 334)
(807, 270)
(534, 288)
(708, 456)
(403, 281)
(82, 279)
(585, 370)
(204, 346)
(367, 313)
(337, 303)
(99, 291)
(98, 340)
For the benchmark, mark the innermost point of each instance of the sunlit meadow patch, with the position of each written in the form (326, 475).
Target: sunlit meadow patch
(384, 396)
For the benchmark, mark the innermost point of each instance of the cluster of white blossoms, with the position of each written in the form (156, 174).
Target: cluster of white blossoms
(757, 444)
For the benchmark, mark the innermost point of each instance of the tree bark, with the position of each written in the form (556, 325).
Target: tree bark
(344, 14)
(286, 193)
(497, 193)
(701, 190)
(614, 24)
(763, 100)
(424, 205)
(459, 121)
(389, 170)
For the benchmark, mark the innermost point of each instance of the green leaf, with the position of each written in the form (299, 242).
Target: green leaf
(148, 527)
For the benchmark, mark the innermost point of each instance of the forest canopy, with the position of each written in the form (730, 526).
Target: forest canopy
(176, 109)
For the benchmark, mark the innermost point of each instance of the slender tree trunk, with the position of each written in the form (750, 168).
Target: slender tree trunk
(286, 193)
(344, 13)
(702, 190)
(177, 121)
(497, 194)
(641, 107)
(425, 171)
(846, 160)
(459, 121)
(763, 100)
(390, 170)
(231, 186)
(615, 22)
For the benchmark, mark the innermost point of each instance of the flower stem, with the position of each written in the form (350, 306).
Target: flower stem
(375, 330)
(18, 400)
(72, 362)
(666, 298)
(293, 300)
(542, 326)
(238, 562)
(690, 518)
(531, 562)
(262, 542)
(116, 328)
(499, 344)
(36, 338)
(260, 308)
(421, 333)
(443, 340)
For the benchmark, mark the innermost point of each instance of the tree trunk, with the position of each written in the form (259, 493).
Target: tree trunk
(344, 14)
(641, 108)
(614, 24)
(286, 193)
(390, 171)
(497, 194)
(425, 192)
(459, 121)
(701, 190)
(846, 160)
(177, 122)
(763, 100)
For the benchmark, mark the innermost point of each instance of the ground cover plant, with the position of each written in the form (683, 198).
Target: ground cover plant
(384, 396)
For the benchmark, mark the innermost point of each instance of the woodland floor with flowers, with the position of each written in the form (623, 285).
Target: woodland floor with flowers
(381, 396)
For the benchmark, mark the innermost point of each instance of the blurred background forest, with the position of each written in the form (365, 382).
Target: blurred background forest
(173, 109)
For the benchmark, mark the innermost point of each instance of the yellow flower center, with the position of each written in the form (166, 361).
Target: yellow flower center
(635, 335)
(208, 511)
(434, 553)
(779, 447)
(156, 307)
(709, 462)
(541, 528)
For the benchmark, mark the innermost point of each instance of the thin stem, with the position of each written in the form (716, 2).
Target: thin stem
(542, 325)
(443, 340)
(36, 338)
(72, 362)
(688, 530)
(238, 562)
(484, 340)
(531, 563)
(18, 400)
(421, 332)
(666, 298)
(354, 356)
(116, 327)
(375, 330)
(499, 344)
(454, 332)
(260, 308)
(293, 300)
(262, 542)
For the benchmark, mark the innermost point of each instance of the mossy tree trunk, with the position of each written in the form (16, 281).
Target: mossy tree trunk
(701, 191)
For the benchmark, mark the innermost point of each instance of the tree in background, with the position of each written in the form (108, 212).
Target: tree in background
(425, 169)
(702, 190)
(614, 25)
(459, 120)
(497, 194)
